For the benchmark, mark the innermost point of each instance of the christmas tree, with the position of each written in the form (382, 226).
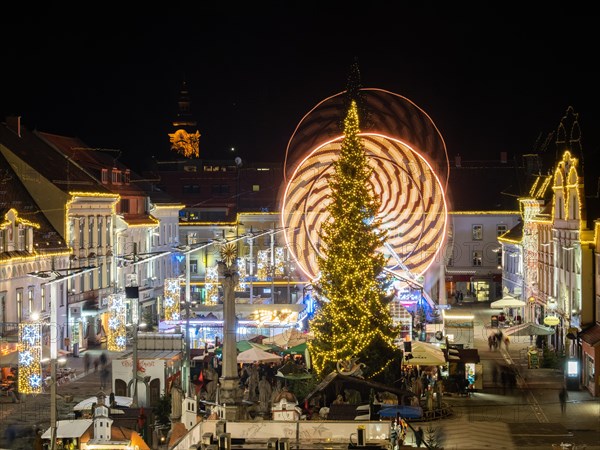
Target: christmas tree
(353, 319)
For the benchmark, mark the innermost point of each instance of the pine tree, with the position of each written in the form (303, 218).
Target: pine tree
(353, 319)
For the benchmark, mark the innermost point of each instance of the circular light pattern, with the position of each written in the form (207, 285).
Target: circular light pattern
(413, 209)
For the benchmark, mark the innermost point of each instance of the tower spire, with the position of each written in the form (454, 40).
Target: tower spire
(185, 139)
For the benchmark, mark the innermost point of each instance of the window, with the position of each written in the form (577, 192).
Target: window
(100, 231)
(191, 189)
(21, 237)
(104, 176)
(499, 258)
(30, 300)
(19, 305)
(1, 241)
(124, 205)
(91, 230)
(220, 189)
(108, 230)
(127, 176)
(81, 232)
(477, 232)
(116, 176)
(501, 229)
(477, 258)
(255, 187)
(43, 297)
(194, 266)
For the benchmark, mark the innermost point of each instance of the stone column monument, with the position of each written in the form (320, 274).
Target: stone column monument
(230, 393)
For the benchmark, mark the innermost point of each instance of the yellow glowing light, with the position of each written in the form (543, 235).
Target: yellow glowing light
(116, 336)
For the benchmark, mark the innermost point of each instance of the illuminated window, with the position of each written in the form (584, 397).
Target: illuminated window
(477, 232)
(30, 300)
(116, 176)
(255, 187)
(477, 258)
(43, 297)
(19, 304)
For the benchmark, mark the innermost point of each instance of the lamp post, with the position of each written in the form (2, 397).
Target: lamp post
(54, 277)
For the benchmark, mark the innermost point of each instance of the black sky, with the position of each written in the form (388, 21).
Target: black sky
(113, 80)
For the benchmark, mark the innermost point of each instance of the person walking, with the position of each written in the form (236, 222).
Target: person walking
(563, 396)
(86, 362)
(419, 436)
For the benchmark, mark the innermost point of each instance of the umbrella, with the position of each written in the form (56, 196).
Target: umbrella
(404, 411)
(257, 355)
(508, 302)
(424, 354)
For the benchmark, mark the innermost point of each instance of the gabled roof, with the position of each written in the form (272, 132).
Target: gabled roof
(46, 161)
(14, 195)
(514, 235)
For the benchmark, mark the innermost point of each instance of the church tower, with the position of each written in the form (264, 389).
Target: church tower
(185, 140)
(102, 422)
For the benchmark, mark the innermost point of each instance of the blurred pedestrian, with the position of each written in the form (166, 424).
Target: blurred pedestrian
(104, 374)
(563, 396)
(419, 436)
(506, 342)
(103, 359)
(86, 362)
(96, 364)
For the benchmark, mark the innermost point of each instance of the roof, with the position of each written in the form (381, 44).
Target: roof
(69, 428)
(14, 195)
(591, 335)
(37, 155)
(515, 234)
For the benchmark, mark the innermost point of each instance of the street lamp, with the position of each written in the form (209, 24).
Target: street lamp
(54, 277)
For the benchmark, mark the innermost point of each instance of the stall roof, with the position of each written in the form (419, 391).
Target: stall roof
(69, 428)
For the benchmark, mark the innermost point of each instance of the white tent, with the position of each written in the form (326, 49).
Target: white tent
(85, 405)
(508, 302)
(289, 338)
(68, 429)
(257, 355)
(425, 354)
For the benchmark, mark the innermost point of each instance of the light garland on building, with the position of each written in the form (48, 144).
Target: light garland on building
(30, 358)
(172, 301)
(262, 264)
(116, 338)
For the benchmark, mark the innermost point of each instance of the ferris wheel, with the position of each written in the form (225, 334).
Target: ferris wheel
(409, 181)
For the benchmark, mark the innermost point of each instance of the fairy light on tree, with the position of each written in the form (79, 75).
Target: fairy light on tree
(353, 319)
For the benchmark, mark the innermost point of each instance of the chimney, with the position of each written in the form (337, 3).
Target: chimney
(14, 124)
(503, 157)
(457, 161)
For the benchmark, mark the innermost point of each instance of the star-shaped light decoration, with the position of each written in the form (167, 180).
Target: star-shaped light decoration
(30, 334)
(114, 323)
(228, 252)
(121, 341)
(35, 381)
(25, 358)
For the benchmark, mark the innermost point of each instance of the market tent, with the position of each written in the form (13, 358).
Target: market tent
(507, 302)
(242, 346)
(69, 429)
(528, 329)
(85, 405)
(425, 354)
(288, 338)
(257, 355)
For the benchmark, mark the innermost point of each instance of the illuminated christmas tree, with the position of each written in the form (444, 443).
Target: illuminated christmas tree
(353, 319)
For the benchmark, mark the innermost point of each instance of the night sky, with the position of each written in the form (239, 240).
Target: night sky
(113, 80)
